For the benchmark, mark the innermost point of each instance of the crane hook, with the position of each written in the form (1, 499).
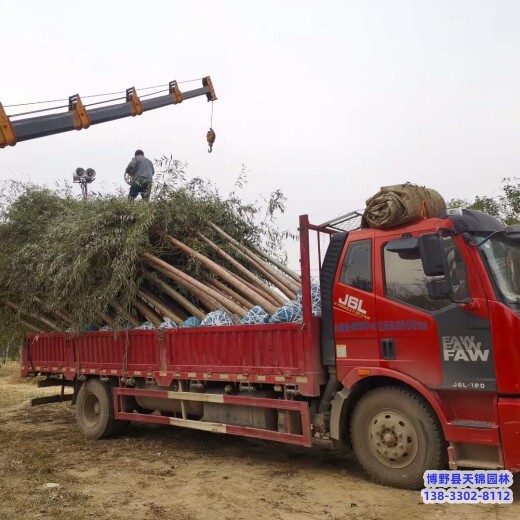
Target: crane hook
(210, 136)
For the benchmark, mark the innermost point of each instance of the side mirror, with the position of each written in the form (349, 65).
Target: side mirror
(435, 263)
(439, 288)
(433, 255)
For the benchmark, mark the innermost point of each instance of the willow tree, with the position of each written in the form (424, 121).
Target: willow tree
(81, 262)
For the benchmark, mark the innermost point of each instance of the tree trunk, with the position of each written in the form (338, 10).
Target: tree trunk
(240, 299)
(36, 316)
(294, 275)
(265, 295)
(222, 273)
(210, 303)
(276, 277)
(177, 274)
(60, 313)
(126, 314)
(30, 326)
(267, 274)
(172, 293)
(160, 306)
(107, 318)
(228, 302)
(146, 311)
(243, 270)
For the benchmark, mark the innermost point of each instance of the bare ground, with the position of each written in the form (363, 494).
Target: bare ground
(161, 473)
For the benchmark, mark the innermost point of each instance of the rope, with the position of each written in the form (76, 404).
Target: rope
(93, 95)
(105, 101)
(88, 104)
(153, 93)
(125, 356)
(38, 111)
(35, 103)
(189, 80)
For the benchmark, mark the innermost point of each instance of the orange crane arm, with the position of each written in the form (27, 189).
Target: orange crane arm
(78, 117)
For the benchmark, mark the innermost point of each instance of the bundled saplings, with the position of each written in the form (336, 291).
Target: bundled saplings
(69, 264)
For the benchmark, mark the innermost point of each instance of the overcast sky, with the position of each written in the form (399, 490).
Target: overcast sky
(327, 100)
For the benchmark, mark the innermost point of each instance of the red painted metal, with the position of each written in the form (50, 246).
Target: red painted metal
(444, 411)
(353, 377)
(419, 363)
(47, 351)
(290, 354)
(260, 349)
(509, 411)
(505, 328)
(302, 407)
(490, 436)
(306, 276)
(287, 353)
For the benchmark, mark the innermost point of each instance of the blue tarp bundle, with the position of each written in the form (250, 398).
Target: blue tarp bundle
(315, 298)
(146, 326)
(255, 316)
(216, 319)
(191, 322)
(288, 313)
(168, 324)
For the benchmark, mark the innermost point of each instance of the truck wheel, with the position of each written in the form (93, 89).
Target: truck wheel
(396, 437)
(95, 410)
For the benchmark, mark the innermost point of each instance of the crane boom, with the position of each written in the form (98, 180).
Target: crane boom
(78, 117)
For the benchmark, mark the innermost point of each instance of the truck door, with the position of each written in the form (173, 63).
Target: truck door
(418, 335)
(406, 329)
(354, 309)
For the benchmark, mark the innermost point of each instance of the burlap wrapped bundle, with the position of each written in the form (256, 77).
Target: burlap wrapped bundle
(400, 204)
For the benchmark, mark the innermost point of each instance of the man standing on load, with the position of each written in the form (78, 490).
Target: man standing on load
(141, 170)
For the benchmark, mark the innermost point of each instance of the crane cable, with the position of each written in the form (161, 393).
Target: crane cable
(211, 135)
(88, 97)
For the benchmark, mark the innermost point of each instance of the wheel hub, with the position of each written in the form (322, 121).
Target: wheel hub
(91, 410)
(392, 438)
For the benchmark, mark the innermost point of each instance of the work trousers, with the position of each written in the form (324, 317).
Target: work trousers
(140, 185)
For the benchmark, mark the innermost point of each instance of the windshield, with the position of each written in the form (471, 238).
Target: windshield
(502, 256)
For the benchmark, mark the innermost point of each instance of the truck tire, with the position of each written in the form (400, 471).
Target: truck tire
(397, 437)
(95, 410)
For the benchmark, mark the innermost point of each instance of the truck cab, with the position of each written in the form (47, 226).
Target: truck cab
(420, 329)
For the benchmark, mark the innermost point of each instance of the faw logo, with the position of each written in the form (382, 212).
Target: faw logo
(352, 305)
(463, 348)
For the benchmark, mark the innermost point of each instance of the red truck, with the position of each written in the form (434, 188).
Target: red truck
(415, 363)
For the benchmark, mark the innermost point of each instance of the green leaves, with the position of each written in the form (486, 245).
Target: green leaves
(504, 205)
(80, 256)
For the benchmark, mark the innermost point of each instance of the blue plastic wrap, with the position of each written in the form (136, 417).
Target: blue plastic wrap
(191, 322)
(290, 312)
(216, 319)
(255, 316)
(146, 326)
(315, 298)
(168, 324)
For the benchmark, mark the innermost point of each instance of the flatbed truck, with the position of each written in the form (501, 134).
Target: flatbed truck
(414, 364)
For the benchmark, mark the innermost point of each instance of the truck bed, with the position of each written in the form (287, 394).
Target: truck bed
(283, 353)
(287, 354)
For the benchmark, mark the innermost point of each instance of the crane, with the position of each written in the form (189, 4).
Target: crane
(78, 117)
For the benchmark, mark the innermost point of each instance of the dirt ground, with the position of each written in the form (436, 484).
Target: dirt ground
(48, 471)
